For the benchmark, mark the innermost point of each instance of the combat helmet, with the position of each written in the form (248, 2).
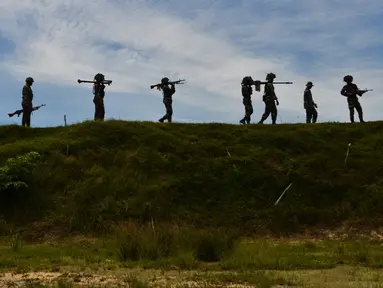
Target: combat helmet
(309, 83)
(247, 80)
(29, 80)
(99, 77)
(165, 80)
(348, 78)
(270, 76)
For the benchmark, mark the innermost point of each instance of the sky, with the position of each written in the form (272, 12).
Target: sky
(212, 44)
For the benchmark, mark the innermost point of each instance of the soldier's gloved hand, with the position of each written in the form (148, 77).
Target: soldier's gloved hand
(315, 105)
(277, 102)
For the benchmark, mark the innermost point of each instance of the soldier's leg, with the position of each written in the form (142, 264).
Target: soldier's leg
(169, 110)
(249, 111)
(28, 118)
(243, 120)
(96, 111)
(315, 115)
(27, 110)
(351, 114)
(359, 109)
(24, 119)
(166, 115)
(266, 113)
(308, 115)
(274, 112)
(102, 112)
(351, 108)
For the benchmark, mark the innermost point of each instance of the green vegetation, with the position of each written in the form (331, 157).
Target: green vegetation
(190, 197)
(211, 175)
(259, 262)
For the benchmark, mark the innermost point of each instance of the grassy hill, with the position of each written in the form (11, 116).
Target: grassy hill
(204, 175)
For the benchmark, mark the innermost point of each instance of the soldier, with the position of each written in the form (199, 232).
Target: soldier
(350, 90)
(309, 104)
(26, 103)
(98, 99)
(270, 100)
(247, 91)
(168, 92)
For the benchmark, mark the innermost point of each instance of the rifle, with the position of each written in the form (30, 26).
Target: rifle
(258, 84)
(108, 82)
(158, 86)
(366, 90)
(18, 112)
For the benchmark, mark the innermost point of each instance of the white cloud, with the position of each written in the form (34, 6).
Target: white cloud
(63, 40)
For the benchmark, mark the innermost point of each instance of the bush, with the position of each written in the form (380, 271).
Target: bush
(15, 180)
(146, 244)
(14, 175)
(212, 246)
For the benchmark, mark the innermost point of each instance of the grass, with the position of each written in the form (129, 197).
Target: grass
(193, 202)
(204, 175)
(244, 256)
(97, 264)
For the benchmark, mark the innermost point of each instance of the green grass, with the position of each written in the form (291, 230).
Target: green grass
(243, 256)
(201, 175)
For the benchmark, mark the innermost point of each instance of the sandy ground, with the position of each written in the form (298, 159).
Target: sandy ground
(335, 278)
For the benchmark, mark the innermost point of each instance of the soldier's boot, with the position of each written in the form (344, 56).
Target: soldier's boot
(315, 117)
(274, 118)
(361, 117)
(162, 119)
(352, 118)
(248, 119)
(264, 117)
(242, 121)
(169, 118)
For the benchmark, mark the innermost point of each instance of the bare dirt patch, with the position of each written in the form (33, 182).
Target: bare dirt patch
(339, 277)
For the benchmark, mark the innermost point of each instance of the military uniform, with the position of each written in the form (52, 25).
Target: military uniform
(309, 104)
(98, 99)
(270, 99)
(168, 92)
(351, 91)
(247, 91)
(27, 98)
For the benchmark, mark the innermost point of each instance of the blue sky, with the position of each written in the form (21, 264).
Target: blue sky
(212, 44)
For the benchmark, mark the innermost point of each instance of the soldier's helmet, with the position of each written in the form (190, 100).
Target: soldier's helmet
(270, 76)
(99, 77)
(247, 80)
(309, 83)
(165, 80)
(348, 78)
(29, 80)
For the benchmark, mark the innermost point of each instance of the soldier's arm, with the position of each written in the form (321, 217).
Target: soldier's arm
(272, 91)
(360, 93)
(305, 97)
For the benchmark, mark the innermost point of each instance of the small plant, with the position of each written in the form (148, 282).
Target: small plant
(15, 243)
(212, 246)
(63, 283)
(144, 243)
(134, 282)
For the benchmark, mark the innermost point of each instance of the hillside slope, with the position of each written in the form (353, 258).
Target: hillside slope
(198, 174)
